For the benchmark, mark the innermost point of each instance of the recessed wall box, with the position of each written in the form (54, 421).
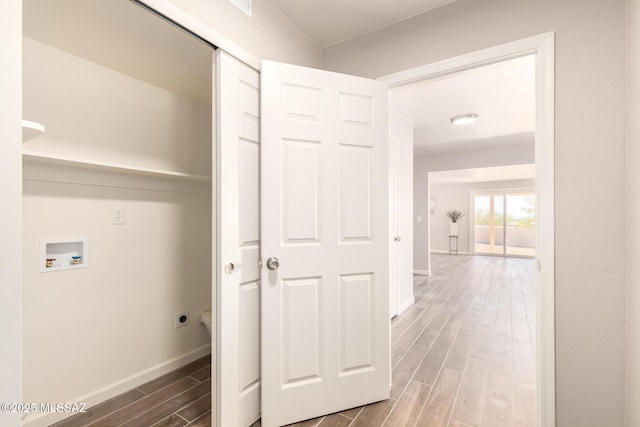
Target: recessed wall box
(63, 254)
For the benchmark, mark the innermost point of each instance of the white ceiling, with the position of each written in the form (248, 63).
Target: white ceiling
(502, 94)
(498, 173)
(122, 36)
(329, 22)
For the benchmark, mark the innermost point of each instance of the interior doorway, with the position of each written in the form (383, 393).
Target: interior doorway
(542, 49)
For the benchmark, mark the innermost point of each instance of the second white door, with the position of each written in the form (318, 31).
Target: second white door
(238, 228)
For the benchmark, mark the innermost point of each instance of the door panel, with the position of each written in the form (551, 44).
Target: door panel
(300, 191)
(302, 347)
(354, 166)
(238, 308)
(357, 329)
(324, 214)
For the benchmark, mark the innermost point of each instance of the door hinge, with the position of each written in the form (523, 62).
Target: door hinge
(538, 265)
(260, 263)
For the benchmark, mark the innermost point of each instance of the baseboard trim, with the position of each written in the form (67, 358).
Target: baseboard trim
(438, 251)
(405, 305)
(422, 272)
(106, 393)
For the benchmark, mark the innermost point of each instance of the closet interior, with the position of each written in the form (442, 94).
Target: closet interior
(117, 170)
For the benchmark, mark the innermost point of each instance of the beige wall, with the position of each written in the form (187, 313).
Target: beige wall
(268, 34)
(10, 214)
(590, 168)
(633, 164)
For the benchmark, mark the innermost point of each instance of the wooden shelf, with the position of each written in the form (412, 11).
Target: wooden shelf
(59, 160)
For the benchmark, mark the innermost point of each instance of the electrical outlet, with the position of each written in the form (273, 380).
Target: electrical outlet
(182, 318)
(117, 216)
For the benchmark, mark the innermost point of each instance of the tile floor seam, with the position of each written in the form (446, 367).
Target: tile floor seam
(162, 403)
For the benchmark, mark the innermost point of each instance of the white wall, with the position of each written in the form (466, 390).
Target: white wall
(457, 196)
(110, 327)
(268, 34)
(404, 133)
(590, 167)
(500, 156)
(10, 214)
(633, 166)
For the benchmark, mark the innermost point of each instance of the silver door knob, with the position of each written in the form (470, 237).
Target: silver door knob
(229, 268)
(273, 263)
(397, 238)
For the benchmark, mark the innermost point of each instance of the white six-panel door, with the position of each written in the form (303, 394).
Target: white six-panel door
(238, 228)
(324, 215)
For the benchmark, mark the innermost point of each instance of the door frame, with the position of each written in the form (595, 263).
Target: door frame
(396, 283)
(543, 46)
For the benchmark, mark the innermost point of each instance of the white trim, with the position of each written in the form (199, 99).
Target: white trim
(216, 223)
(439, 251)
(422, 272)
(98, 396)
(429, 220)
(396, 303)
(11, 215)
(197, 27)
(543, 47)
(65, 173)
(545, 236)
(445, 252)
(74, 162)
(405, 305)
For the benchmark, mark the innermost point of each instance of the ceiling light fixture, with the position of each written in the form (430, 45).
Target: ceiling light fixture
(465, 119)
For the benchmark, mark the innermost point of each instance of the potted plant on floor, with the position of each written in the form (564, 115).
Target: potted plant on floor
(454, 216)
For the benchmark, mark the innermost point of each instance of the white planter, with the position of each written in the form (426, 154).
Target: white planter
(453, 229)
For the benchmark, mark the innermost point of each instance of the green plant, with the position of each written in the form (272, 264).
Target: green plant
(455, 215)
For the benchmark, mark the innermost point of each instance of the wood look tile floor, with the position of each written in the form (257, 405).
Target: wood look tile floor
(462, 356)
(179, 398)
